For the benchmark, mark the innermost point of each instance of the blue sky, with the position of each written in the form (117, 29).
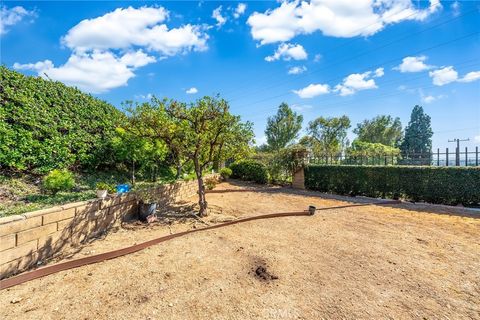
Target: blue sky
(324, 58)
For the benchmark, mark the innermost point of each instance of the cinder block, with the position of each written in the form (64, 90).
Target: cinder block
(35, 233)
(20, 225)
(65, 224)
(85, 210)
(7, 242)
(58, 216)
(17, 252)
(18, 265)
(52, 243)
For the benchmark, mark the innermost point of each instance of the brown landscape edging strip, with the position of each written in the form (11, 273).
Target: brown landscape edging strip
(45, 271)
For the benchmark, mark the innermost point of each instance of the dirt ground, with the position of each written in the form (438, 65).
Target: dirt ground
(358, 261)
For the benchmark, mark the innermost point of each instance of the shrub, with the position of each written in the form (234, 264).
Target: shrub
(58, 180)
(46, 125)
(105, 186)
(249, 170)
(211, 182)
(443, 185)
(225, 173)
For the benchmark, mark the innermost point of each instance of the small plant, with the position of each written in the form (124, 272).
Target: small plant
(105, 186)
(225, 173)
(58, 180)
(210, 183)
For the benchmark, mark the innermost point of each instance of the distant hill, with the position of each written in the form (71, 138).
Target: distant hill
(46, 124)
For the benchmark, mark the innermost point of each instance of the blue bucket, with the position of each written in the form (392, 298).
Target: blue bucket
(122, 188)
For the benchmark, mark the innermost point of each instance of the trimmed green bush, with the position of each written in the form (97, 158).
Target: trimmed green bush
(443, 185)
(58, 180)
(225, 173)
(47, 125)
(249, 170)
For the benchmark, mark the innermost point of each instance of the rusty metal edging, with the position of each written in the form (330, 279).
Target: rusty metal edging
(47, 270)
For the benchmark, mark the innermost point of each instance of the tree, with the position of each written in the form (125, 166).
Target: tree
(327, 136)
(137, 151)
(418, 135)
(381, 129)
(283, 128)
(200, 132)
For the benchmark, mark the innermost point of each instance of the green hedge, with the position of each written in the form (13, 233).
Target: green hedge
(249, 170)
(46, 125)
(444, 185)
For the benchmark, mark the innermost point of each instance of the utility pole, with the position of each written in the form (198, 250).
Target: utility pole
(457, 151)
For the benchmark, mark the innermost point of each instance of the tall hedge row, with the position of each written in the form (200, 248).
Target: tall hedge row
(249, 170)
(46, 125)
(443, 185)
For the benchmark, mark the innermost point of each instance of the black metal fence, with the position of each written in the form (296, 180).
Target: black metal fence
(446, 158)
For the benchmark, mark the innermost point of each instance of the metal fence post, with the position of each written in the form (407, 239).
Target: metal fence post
(466, 157)
(446, 154)
(476, 156)
(438, 157)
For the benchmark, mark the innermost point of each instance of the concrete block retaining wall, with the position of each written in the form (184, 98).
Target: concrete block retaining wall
(32, 237)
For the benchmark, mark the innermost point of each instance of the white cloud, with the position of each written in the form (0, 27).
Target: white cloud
(108, 49)
(10, 17)
(471, 76)
(413, 64)
(301, 107)
(239, 10)
(337, 18)
(94, 72)
(217, 15)
(317, 57)
(455, 8)
(192, 90)
(477, 138)
(357, 82)
(312, 91)
(297, 70)
(379, 72)
(448, 75)
(288, 51)
(443, 76)
(147, 96)
(430, 98)
(126, 28)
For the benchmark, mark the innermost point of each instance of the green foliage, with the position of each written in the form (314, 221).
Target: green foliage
(327, 136)
(203, 132)
(283, 128)
(105, 186)
(382, 129)
(225, 173)
(281, 164)
(46, 125)
(250, 170)
(418, 133)
(367, 149)
(211, 183)
(58, 180)
(444, 185)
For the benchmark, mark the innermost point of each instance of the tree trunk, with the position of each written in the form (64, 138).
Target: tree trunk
(179, 170)
(133, 173)
(202, 202)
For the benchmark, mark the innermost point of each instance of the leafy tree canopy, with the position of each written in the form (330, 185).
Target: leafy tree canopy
(200, 132)
(283, 128)
(381, 129)
(327, 136)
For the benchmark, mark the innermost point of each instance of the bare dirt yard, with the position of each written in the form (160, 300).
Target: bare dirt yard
(357, 261)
